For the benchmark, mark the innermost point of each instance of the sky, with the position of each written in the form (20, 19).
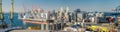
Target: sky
(49, 5)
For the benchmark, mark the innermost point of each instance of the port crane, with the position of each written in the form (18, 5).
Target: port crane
(38, 12)
(66, 14)
(11, 12)
(116, 13)
(33, 15)
(4, 25)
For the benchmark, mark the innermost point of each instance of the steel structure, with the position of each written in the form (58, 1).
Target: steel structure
(11, 13)
(12, 10)
(116, 13)
(1, 13)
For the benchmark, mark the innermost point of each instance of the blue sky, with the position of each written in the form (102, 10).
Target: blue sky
(84, 5)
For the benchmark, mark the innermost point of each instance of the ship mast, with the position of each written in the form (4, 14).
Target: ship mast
(60, 13)
(38, 10)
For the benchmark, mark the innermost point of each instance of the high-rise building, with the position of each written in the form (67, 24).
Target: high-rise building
(80, 16)
(71, 16)
(76, 12)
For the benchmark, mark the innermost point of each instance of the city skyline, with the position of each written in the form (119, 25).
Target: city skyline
(84, 5)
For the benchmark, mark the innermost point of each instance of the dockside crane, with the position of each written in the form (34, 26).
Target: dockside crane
(21, 13)
(11, 12)
(38, 12)
(3, 25)
(32, 12)
(66, 14)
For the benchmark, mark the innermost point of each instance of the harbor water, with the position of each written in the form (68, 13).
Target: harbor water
(16, 21)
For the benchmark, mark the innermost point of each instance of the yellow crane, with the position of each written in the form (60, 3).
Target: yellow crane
(11, 10)
(4, 25)
(39, 12)
(1, 13)
(66, 13)
(11, 13)
(60, 13)
(33, 15)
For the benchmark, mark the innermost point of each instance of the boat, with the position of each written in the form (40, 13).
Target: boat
(35, 18)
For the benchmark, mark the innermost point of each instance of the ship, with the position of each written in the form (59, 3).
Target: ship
(38, 18)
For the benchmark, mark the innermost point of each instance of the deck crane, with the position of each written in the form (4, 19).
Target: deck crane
(24, 8)
(21, 12)
(38, 12)
(33, 15)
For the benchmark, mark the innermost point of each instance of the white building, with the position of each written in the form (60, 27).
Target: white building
(80, 16)
(99, 14)
(93, 19)
(91, 14)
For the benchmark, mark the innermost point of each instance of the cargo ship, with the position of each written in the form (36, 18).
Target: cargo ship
(35, 19)
(44, 19)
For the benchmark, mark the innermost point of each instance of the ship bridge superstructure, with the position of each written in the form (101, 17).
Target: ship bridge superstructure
(35, 15)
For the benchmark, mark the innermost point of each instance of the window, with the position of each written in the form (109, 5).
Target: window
(44, 26)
